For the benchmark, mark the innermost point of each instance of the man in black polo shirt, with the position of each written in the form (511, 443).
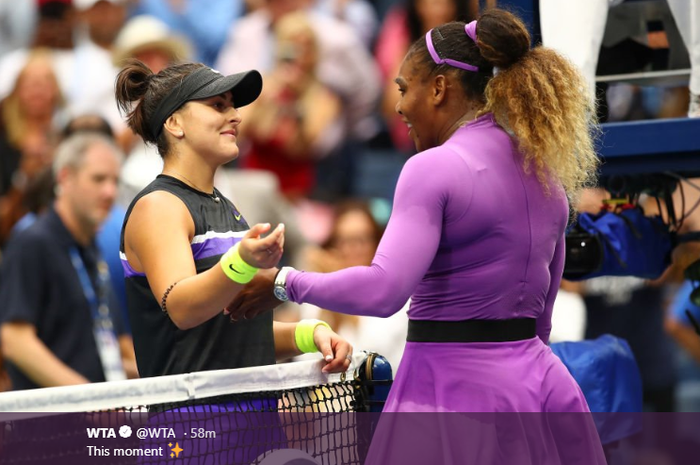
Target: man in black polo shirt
(60, 321)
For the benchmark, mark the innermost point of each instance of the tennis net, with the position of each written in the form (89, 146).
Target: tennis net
(239, 416)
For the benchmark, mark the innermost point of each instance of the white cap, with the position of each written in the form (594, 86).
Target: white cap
(147, 32)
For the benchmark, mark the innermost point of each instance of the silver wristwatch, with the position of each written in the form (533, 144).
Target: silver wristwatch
(281, 283)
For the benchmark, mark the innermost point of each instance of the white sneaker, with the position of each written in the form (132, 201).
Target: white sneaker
(694, 109)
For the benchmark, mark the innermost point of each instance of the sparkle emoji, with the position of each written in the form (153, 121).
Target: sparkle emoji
(175, 451)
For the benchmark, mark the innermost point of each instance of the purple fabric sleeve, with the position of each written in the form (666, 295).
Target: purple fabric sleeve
(544, 322)
(404, 255)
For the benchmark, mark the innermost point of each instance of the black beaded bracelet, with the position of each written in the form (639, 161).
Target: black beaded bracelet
(165, 296)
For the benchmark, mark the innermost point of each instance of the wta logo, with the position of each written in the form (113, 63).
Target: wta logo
(103, 432)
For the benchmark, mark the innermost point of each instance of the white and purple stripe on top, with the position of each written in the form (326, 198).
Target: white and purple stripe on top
(203, 246)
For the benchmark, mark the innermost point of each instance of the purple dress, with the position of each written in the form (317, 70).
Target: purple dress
(472, 235)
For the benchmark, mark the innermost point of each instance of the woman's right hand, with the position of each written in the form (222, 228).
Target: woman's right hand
(262, 252)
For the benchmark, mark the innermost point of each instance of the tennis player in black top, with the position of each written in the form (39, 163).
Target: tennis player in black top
(186, 250)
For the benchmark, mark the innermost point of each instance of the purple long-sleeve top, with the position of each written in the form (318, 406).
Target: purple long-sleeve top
(472, 235)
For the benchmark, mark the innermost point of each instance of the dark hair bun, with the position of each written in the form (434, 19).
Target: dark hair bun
(131, 86)
(132, 83)
(503, 39)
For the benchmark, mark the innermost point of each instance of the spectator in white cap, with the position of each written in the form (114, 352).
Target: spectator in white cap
(150, 41)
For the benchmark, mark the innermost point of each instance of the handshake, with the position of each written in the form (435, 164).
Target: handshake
(243, 260)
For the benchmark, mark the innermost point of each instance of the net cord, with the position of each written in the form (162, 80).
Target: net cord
(172, 388)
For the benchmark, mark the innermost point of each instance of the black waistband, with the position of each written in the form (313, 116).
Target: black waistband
(516, 329)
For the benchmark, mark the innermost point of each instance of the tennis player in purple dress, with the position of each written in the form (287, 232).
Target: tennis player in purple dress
(476, 235)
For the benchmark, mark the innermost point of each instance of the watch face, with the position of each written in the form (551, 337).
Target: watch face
(281, 293)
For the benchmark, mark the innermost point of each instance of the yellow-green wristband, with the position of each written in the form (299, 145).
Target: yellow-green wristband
(304, 335)
(235, 268)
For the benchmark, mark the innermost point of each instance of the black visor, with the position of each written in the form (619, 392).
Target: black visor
(206, 83)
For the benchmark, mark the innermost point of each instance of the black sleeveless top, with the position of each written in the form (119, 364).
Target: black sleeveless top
(162, 348)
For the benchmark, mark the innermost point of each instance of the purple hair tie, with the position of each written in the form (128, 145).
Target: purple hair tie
(470, 29)
(436, 58)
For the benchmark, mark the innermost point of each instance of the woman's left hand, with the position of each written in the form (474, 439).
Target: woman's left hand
(336, 351)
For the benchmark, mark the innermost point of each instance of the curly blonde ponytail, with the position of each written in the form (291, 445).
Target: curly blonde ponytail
(540, 97)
